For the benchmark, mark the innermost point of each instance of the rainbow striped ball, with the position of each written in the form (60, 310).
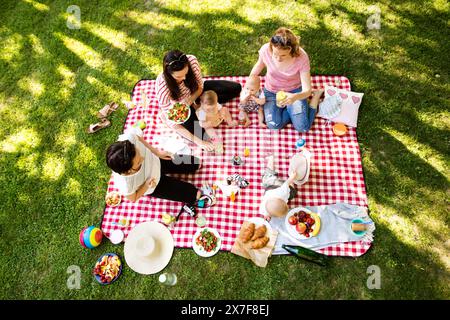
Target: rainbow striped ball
(91, 237)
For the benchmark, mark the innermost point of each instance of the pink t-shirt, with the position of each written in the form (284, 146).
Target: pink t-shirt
(163, 94)
(287, 80)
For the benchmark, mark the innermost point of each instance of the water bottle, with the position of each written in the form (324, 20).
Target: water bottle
(168, 279)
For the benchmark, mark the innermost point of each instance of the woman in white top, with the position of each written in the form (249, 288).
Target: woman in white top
(139, 169)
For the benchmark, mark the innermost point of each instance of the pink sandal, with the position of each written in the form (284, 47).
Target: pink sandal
(104, 123)
(107, 110)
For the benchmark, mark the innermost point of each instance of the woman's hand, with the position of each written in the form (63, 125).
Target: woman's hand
(290, 99)
(259, 101)
(205, 145)
(150, 183)
(244, 96)
(195, 105)
(292, 177)
(191, 102)
(165, 155)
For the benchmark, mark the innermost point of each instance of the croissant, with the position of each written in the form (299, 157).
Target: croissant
(246, 233)
(259, 232)
(260, 242)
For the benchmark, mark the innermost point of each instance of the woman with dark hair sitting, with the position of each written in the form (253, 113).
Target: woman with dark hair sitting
(181, 81)
(139, 169)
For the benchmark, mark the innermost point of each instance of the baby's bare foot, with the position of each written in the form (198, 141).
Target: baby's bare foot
(316, 98)
(318, 93)
(233, 123)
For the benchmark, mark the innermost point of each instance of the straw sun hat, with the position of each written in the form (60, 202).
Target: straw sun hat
(148, 247)
(300, 163)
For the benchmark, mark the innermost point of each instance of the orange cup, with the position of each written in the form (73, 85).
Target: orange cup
(340, 129)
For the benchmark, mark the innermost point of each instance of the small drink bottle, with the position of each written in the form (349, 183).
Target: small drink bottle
(168, 279)
(241, 119)
(299, 144)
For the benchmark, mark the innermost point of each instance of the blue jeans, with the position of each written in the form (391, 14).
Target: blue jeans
(299, 113)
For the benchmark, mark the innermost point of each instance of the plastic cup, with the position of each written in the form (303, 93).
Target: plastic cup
(116, 236)
(357, 233)
(200, 221)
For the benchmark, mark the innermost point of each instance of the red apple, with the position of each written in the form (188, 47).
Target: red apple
(293, 220)
(300, 227)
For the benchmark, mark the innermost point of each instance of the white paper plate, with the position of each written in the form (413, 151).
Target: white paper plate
(291, 228)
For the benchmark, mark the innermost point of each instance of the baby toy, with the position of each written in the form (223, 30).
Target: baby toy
(91, 237)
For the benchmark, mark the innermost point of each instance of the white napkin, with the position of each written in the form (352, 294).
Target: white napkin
(228, 189)
(172, 145)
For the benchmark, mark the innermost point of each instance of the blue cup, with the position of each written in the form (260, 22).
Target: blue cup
(357, 233)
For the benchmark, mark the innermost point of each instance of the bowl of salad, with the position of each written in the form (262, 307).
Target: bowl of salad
(179, 113)
(206, 242)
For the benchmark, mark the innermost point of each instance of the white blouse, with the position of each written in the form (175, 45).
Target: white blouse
(150, 168)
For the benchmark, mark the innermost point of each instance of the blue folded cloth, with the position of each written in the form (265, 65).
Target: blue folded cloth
(330, 107)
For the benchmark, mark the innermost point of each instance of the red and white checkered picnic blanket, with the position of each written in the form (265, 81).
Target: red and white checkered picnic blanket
(336, 171)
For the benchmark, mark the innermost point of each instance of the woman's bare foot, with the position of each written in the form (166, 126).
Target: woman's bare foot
(316, 98)
(232, 123)
(270, 162)
(262, 125)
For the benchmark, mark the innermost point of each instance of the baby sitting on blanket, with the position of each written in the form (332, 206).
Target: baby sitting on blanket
(278, 192)
(211, 114)
(252, 99)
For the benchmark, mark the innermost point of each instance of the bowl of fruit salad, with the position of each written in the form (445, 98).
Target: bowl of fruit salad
(113, 199)
(302, 223)
(107, 269)
(179, 113)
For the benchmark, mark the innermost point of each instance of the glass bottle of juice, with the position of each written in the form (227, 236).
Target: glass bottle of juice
(241, 118)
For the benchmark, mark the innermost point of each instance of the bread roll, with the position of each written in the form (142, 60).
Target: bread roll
(260, 243)
(359, 226)
(259, 232)
(246, 233)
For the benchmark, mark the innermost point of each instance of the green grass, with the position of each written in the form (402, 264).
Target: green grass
(53, 175)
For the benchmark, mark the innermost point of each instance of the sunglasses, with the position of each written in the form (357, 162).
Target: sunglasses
(179, 59)
(281, 40)
(125, 153)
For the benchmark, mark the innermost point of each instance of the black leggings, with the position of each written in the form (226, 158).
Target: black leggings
(173, 189)
(193, 125)
(226, 90)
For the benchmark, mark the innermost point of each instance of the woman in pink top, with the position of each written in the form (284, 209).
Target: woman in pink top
(181, 81)
(288, 70)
